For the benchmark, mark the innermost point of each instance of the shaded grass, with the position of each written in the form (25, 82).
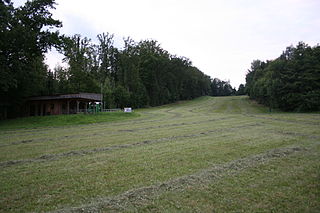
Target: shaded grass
(63, 120)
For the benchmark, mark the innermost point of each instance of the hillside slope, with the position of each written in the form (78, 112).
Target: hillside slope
(209, 154)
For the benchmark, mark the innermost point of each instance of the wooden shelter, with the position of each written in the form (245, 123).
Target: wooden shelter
(61, 104)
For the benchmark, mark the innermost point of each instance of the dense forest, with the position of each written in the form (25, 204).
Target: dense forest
(291, 82)
(26, 34)
(139, 74)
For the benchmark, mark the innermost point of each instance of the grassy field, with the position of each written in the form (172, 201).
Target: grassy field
(63, 120)
(207, 155)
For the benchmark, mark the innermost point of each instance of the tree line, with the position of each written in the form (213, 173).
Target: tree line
(26, 34)
(291, 82)
(139, 74)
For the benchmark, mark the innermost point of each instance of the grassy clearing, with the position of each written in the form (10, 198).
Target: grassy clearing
(63, 120)
(280, 185)
(209, 154)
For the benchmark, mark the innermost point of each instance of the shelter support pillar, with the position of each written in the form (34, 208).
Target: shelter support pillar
(5, 113)
(28, 110)
(68, 107)
(77, 106)
(36, 109)
(41, 109)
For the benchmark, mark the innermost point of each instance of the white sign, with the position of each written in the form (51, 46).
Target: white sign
(127, 109)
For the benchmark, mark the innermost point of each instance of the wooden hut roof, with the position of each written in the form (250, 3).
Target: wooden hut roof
(87, 96)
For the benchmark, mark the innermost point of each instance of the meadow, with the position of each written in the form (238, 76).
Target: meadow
(211, 154)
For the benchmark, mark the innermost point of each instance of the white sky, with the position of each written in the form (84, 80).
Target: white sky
(220, 37)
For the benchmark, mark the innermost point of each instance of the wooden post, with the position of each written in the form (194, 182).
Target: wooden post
(86, 107)
(68, 107)
(27, 113)
(36, 109)
(77, 106)
(5, 114)
(41, 109)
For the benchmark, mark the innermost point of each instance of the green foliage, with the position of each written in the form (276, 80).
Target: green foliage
(121, 96)
(79, 54)
(221, 88)
(141, 74)
(290, 82)
(241, 90)
(26, 34)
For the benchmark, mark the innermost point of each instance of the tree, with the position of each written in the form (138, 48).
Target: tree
(121, 96)
(290, 82)
(241, 90)
(21, 57)
(106, 54)
(79, 54)
(62, 76)
(221, 88)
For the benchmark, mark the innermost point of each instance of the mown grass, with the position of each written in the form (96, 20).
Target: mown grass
(64, 120)
(275, 186)
(155, 162)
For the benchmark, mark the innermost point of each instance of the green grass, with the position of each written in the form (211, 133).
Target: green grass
(223, 154)
(285, 185)
(64, 120)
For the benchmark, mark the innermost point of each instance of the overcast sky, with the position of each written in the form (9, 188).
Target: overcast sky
(220, 37)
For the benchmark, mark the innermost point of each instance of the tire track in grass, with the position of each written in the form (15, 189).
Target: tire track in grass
(138, 197)
(50, 157)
